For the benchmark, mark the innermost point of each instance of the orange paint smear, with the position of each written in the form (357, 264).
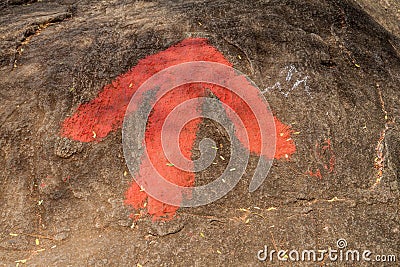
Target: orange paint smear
(285, 146)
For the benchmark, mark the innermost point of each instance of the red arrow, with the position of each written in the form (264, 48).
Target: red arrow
(93, 121)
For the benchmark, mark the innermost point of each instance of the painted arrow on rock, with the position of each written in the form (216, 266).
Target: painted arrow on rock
(94, 120)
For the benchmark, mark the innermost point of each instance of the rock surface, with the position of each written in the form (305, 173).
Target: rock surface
(342, 99)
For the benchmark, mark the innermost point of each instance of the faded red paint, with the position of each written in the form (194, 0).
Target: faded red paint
(325, 157)
(316, 174)
(93, 121)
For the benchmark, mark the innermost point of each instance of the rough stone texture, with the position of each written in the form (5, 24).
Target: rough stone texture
(386, 12)
(58, 54)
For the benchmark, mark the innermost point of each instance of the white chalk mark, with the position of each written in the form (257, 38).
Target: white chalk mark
(304, 81)
(290, 72)
(276, 85)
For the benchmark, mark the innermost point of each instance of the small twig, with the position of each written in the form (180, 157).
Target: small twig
(273, 241)
(379, 163)
(394, 47)
(258, 214)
